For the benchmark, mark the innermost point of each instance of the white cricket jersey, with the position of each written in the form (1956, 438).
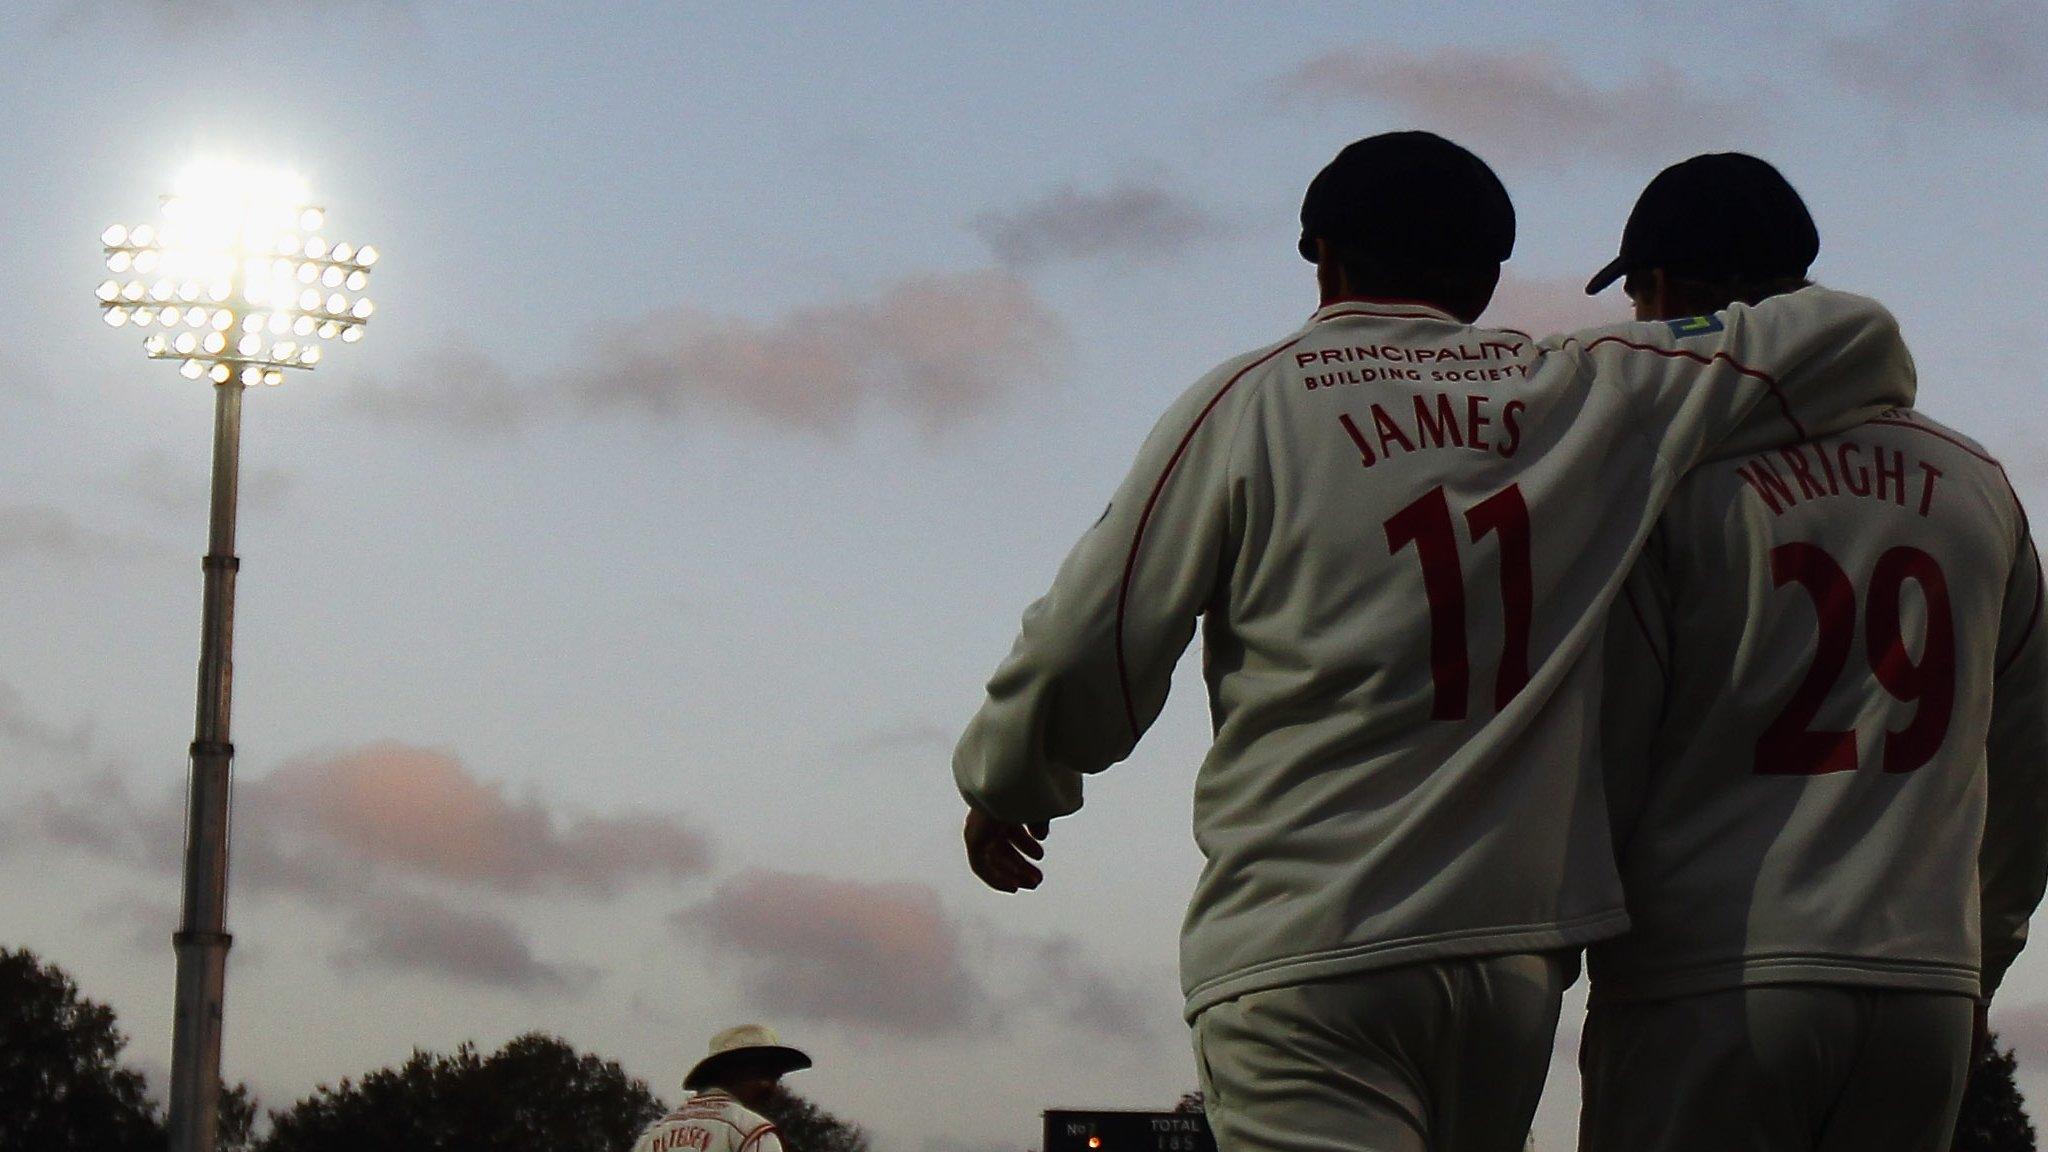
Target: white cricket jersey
(1404, 533)
(710, 1122)
(1824, 669)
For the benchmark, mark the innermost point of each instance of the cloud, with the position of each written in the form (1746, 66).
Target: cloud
(316, 827)
(185, 484)
(882, 956)
(23, 730)
(888, 957)
(1142, 221)
(458, 390)
(934, 348)
(422, 813)
(1923, 54)
(47, 532)
(1542, 306)
(144, 924)
(910, 736)
(1064, 977)
(196, 17)
(1531, 105)
(410, 935)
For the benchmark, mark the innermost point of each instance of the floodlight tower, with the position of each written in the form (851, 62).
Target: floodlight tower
(235, 284)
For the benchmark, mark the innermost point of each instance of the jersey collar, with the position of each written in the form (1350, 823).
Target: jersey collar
(1382, 309)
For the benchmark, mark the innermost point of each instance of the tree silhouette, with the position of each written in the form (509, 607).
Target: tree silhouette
(537, 1094)
(1994, 1115)
(805, 1127)
(62, 1086)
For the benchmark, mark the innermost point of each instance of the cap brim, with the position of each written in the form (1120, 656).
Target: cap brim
(780, 1057)
(1615, 270)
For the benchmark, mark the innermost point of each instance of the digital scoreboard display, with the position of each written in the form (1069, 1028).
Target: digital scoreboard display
(1128, 1132)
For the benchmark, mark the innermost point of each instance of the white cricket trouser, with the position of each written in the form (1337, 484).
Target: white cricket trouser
(1447, 1056)
(1780, 1068)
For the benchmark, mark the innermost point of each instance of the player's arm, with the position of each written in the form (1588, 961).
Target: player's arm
(1636, 673)
(2013, 863)
(1091, 666)
(1795, 366)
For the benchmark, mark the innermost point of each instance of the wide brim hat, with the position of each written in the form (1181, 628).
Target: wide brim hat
(755, 1042)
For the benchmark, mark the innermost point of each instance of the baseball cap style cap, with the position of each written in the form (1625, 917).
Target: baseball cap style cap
(1409, 194)
(1721, 212)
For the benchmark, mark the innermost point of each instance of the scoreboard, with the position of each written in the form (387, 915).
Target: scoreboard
(1128, 1132)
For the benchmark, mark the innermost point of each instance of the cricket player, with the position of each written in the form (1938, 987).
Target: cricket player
(742, 1072)
(1828, 751)
(1402, 534)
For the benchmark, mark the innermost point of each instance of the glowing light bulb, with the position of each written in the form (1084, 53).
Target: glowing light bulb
(310, 354)
(366, 255)
(221, 373)
(273, 377)
(110, 290)
(186, 343)
(116, 317)
(215, 343)
(311, 219)
(249, 345)
(357, 281)
(363, 308)
(344, 252)
(115, 236)
(191, 369)
(119, 262)
(352, 335)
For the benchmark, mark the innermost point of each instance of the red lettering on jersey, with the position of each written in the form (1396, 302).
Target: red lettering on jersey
(1828, 469)
(1358, 438)
(1897, 474)
(1795, 459)
(1507, 420)
(1389, 431)
(1927, 490)
(1771, 487)
(1445, 423)
(1475, 424)
(1855, 477)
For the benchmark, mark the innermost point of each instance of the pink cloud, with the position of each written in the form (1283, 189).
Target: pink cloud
(1530, 104)
(883, 956)
(935, 348)
(419, 811)
(1542, 307)
(319, 826)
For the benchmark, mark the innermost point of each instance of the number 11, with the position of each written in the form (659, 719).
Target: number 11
(1427, 524)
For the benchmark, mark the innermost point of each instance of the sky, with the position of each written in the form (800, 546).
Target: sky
(740, 373)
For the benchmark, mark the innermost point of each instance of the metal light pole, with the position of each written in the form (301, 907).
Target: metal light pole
(238, 286)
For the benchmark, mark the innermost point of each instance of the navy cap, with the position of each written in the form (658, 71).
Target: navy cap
(1411, 195)
(1721, 213)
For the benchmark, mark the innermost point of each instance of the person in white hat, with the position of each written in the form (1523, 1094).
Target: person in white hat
(741, 1073)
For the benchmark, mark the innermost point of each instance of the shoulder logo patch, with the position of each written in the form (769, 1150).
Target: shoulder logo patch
(1694, 326)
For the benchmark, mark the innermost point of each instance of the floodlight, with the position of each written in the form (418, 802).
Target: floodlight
(237, 249)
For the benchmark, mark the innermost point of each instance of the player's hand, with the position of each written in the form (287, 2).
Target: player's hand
(1001, 853)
